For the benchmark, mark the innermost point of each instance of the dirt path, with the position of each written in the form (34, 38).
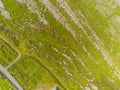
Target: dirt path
(14, 48)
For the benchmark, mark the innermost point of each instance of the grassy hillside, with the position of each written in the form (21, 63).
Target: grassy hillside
(71, 44)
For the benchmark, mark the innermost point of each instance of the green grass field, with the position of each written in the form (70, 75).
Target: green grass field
(7, 54)
(69, 44)
(5, 85)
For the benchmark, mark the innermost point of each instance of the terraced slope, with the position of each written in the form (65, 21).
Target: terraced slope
(69, 44)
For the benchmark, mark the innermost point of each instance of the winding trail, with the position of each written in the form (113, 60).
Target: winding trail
(10, 77)
(14, 48)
